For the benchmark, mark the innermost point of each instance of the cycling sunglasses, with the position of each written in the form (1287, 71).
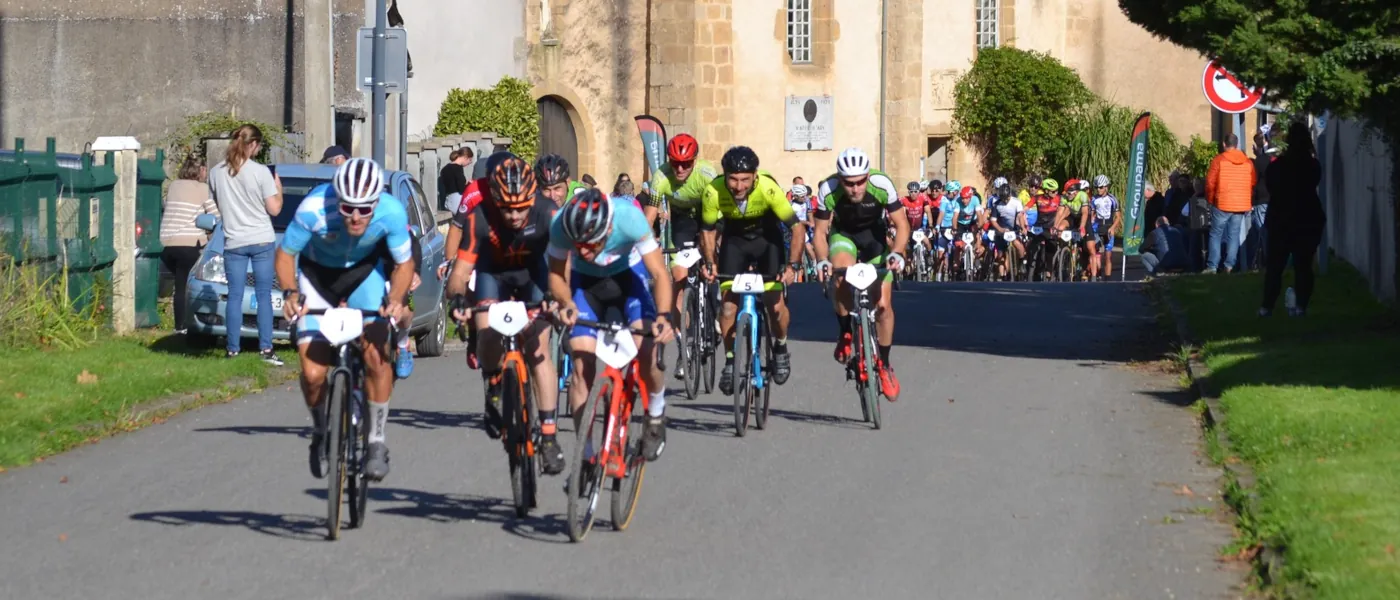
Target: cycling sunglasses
(855, 184)
(683, 164)
(364, 212)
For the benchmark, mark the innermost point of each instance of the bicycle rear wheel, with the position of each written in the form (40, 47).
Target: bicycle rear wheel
(629, 487)
(688, 350)
(743, 375)
(519, 428)
(871, 393)
(338, 432)
(586, 478)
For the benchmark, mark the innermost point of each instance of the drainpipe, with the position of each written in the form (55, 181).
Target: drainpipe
(884, 40)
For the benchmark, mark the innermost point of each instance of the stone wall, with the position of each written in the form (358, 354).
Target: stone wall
(77, 70)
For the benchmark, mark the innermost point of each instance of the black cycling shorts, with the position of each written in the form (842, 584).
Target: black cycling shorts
(738, 252)
(524, 285)
(685, 229)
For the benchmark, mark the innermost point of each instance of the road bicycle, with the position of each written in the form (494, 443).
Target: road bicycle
(864, 366)
(920, 256)
(753, 352)
(696, 348)
(603, 449)
(346, 412)
(520, 431)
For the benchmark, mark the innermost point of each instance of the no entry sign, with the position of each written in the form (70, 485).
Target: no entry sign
(1225, 92)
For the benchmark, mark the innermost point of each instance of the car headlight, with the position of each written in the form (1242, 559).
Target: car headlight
(213, 270)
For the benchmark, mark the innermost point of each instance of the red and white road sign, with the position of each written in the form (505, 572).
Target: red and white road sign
(1225, 92)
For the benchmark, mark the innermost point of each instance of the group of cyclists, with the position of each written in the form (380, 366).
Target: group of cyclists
(1036, 232)
(527, 232)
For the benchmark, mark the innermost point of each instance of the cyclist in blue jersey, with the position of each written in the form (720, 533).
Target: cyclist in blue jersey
(946, 215)
(334, 254)
(596, 235)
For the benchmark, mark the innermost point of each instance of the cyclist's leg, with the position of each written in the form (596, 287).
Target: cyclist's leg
(771, 265)
(1108, 255)
(884, 320)
(1091, 245)
(842, 254)
(640, 311)
(583, 341)
(733, 259)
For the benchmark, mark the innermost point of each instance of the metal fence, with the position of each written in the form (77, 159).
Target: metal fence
(56, 213)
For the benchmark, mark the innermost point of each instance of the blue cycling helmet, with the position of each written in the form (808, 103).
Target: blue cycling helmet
(953, 186)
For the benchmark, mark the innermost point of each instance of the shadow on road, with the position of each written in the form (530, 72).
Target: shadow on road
(1087, 322)
(302, 431)
(407, 417)
(455, 508)
(295, 527)
(725, 424)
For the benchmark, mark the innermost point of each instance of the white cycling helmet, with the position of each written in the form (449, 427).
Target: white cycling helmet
(923, 185)
(799, 191)
(1100, 181)
(852, 163)
(358, 181)
(998, 182)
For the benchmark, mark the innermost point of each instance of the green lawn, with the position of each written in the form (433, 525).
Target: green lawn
(1313, 405)
(47, 406)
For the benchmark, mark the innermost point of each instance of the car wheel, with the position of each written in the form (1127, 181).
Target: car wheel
(431, 343)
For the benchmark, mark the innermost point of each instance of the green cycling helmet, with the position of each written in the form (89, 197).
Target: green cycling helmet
(1049, 185)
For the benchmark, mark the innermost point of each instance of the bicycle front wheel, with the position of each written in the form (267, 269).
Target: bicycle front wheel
(760, 409)
(871, 395)
(743, 375)
(689, 348)
(629, 487)
(358, 452)
(339, 432)
(586, 477)
(519, 428)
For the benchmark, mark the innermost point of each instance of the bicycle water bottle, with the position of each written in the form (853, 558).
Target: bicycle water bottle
(1290, 300)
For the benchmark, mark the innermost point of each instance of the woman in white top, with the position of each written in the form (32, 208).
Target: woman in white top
(248, 195)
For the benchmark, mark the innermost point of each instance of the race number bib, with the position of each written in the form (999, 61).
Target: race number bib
(507, 318)
(919, 236)
(616, 349)
(687, 258)
(341, 325)
(861, 275)
(748, 283)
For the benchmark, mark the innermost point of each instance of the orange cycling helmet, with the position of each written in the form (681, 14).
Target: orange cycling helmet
(513, 183)
(683, 148)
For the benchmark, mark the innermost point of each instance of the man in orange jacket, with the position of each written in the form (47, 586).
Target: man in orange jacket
(1229, 188)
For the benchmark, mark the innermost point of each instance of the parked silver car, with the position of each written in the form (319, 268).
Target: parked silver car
(208, 283)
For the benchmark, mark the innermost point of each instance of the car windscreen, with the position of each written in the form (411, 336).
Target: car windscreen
(294, 190)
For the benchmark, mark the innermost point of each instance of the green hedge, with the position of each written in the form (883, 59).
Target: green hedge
(508, 108)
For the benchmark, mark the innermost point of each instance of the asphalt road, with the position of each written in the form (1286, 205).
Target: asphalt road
(1025, 460)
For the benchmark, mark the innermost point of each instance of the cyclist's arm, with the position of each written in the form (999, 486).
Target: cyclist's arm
(660, 276)
(558, 256)
(465, 261)
(709, 217)
(901, 228)
(401, 249)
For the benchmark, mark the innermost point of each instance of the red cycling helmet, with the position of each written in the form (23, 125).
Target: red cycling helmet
(967, 192)
(682, 148)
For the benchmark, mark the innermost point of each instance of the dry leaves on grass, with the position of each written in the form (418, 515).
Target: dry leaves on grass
(1185, 491)
(1245, 554)
(86, 378)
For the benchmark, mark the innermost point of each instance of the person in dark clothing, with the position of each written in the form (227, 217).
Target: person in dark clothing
(1153, 205)
(1295, 219)
(1178, 196)
(452, 180)
(1254, 241)
(1165, 249)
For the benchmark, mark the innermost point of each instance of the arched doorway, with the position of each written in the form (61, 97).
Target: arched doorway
(557, 134)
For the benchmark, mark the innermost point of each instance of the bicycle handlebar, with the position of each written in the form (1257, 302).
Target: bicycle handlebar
(842, 271)
(473, 310)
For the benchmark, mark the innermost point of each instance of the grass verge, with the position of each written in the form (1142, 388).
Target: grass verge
(1313, 406)
(52, 401)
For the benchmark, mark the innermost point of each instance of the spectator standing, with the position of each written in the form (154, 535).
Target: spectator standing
(1294, 220)
(452, 180)
(334, 155)
(1254, 240)
(248, 196)
(185, 199)
(1229, 188)
(1153, 208)
(1198, 212)
(1178, 199)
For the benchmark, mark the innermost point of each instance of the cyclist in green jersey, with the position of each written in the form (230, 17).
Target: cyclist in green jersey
(754, 207)
(850, 223)
(681, 183)
(553, 173)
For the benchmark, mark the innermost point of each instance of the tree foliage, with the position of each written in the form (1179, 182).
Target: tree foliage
(1195, 161)
(508, 109)
(188, 138)
(1338, 56)
(1099, 141)
(1013, 106)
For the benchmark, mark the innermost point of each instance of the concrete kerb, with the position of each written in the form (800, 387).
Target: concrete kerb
(1245, 499)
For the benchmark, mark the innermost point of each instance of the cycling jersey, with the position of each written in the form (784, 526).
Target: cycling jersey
(629, 232)
(914, 209)
(1006, 211)
(509, 263)
(881, 198)
(745, 217)
(471, 198)
(948, 209)
(682, 196)
(969, 210)
(1104, 207)
(337, 267)
(574, 188)
(1048, 205)
(1075, 204)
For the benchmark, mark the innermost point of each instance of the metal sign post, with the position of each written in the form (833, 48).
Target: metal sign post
(376, 93)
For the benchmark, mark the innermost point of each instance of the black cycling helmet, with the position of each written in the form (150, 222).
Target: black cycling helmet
(587, 216)
(913, 186)
(1034, 182)
(739, 159)
(551, 169)
(936, 185)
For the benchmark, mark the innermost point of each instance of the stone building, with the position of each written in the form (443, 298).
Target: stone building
(724, 70)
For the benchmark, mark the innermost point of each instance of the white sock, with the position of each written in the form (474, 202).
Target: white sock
(403, 342)
(378, 417)
(657, 405)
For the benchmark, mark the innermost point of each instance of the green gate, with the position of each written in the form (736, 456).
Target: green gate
(150, 176)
